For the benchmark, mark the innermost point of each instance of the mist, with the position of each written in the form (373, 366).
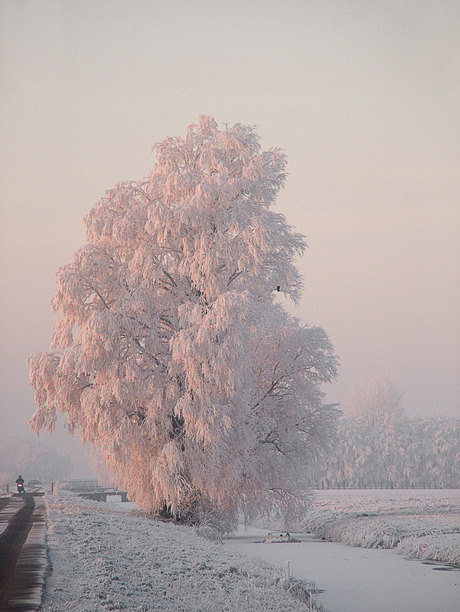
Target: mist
(363, 97)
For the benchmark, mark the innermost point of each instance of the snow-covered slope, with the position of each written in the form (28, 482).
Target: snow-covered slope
(106, 559)
(424, 524)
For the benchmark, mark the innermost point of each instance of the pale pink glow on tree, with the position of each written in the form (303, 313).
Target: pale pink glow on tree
(172, 355)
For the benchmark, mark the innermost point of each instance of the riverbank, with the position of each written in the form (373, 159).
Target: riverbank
(104, 557)
(423, 523)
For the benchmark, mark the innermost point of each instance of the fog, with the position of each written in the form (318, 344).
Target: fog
(363, 97)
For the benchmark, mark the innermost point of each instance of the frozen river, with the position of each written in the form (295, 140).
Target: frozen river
(359, 579)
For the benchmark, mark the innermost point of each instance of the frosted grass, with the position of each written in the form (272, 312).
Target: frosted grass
(106, 559)
(424, 524)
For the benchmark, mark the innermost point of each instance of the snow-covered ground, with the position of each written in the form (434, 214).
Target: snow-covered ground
(426, 523)
(106, 558)
(423, 523)
(353, 579)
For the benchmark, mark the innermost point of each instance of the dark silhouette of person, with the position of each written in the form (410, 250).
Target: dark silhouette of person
(20, 482)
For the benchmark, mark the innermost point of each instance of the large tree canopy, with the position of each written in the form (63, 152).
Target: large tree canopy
(172, 354)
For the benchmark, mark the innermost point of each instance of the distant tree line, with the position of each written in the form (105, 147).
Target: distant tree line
(32, 460)
(392, 451)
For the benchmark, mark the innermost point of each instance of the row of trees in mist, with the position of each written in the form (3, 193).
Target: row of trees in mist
(32, 460)
(393, 452)
(378, 446)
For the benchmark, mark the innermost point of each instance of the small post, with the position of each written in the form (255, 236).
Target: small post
(288, 571)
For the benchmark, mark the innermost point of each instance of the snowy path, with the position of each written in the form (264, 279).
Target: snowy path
(360, 580)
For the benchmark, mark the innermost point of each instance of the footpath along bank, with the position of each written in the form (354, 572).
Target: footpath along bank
(23, 558)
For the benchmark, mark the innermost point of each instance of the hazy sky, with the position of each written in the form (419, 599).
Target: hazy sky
(362, 95)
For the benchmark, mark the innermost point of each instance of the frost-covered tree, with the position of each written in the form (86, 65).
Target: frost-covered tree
(393, 452)
(172, 355)
(375, 398)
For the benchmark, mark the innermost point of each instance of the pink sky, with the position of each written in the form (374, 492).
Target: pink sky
(362, 95)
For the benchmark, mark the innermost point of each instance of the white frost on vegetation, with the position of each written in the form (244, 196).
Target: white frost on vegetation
(106, 559)
(425, 525)
(173, 355)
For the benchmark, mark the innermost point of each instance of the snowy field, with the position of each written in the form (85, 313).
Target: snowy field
(106, 558)
(423, 523)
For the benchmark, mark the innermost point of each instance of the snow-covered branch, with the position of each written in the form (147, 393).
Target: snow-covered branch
(172, 354)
